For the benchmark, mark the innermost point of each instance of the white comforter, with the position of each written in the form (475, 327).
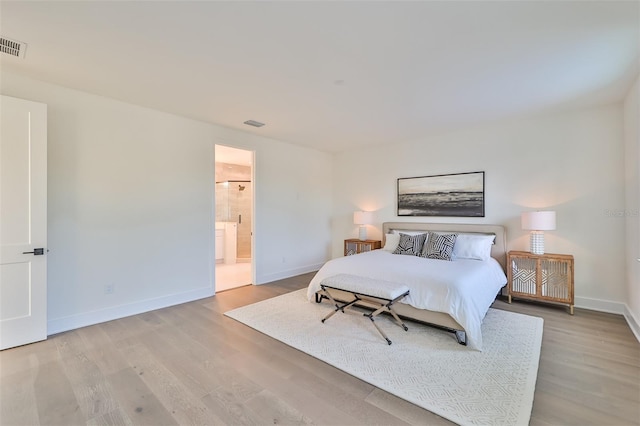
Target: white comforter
(464, 289)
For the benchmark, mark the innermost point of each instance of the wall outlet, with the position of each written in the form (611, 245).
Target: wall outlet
(108, 289)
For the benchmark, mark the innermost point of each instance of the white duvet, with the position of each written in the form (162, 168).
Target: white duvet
(464, 289)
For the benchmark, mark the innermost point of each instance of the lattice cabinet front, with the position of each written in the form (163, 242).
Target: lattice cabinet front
(355, 246)
(544, 277)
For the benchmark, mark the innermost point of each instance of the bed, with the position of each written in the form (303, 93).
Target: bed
(453, 295)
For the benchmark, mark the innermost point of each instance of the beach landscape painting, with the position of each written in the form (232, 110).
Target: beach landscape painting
(460, 194)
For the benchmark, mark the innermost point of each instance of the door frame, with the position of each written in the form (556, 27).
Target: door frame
(229, 144)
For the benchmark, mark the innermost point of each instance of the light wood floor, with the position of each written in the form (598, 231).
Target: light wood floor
(189, 364)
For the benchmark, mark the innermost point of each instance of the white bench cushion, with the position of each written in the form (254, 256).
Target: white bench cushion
(367, 286)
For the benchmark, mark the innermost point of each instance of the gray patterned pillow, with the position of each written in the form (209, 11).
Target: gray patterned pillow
(410, 244)
(439, 246)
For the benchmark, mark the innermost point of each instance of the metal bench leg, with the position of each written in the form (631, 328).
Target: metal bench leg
(397, 318)
(338, 307)
(334, 303)
(357, 297)
(330, 314)
(379, 329)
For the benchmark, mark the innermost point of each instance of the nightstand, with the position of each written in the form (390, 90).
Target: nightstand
(544, 277)
(355, 246)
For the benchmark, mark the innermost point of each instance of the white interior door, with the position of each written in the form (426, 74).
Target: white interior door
(23, 222)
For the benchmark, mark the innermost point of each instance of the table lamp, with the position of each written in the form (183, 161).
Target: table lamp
(537, 223)
(363, 219)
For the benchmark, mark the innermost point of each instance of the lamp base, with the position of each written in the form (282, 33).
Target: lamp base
(537, 242)
(362, 233)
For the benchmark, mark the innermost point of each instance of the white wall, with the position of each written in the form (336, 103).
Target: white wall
(569, 162)
(131, 204)
(632, 210)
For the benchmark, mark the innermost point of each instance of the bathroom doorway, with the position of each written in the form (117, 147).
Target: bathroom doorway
(234, 217)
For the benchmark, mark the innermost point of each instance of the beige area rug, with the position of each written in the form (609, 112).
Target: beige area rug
(424, 365)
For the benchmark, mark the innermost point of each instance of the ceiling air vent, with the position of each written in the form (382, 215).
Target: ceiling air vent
(12, 47)
(253, 123)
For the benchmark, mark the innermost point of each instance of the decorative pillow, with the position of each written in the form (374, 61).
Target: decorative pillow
(410, 244)
(391, 242)
(439, 246)
(476, 247)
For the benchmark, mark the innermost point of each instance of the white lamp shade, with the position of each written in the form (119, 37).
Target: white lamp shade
(539, 221)
(362, 218)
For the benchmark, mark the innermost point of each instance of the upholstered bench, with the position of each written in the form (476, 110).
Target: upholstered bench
(381, 294)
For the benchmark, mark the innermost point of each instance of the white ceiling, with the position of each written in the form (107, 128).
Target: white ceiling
(334, 75)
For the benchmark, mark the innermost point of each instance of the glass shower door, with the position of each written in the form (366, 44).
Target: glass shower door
(240, 196)
(233, 204)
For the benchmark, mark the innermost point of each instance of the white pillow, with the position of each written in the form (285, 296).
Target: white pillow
(391, 242)
(477, 247)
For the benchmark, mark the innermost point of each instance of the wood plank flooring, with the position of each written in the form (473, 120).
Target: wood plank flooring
(188, 364)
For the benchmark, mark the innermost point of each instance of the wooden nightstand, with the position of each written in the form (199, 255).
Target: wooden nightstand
(545, 277)
(355, 246)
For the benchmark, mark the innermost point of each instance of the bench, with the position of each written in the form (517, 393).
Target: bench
(381, 294)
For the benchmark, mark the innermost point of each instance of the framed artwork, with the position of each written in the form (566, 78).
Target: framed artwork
(460, 194)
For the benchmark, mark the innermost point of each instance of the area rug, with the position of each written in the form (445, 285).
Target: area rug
(425, 366)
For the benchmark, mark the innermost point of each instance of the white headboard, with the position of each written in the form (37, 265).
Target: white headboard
(498, 250)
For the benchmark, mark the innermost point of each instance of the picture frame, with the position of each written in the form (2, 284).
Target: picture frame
(453, 195)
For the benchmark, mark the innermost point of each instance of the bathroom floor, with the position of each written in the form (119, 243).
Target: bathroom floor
(232, 276)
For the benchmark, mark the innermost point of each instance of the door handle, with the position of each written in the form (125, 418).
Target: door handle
(35, 252)
(239, 219)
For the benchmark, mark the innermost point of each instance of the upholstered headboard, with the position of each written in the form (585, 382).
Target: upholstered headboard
(498, 250)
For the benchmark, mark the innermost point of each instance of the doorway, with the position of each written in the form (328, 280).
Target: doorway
(234, 217)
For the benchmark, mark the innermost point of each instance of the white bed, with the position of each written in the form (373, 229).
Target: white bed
(452, 294)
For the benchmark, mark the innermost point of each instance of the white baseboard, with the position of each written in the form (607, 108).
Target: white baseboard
(633, 322)
(612, 308)
(264, 279)
(600, 305)
(58, 325)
